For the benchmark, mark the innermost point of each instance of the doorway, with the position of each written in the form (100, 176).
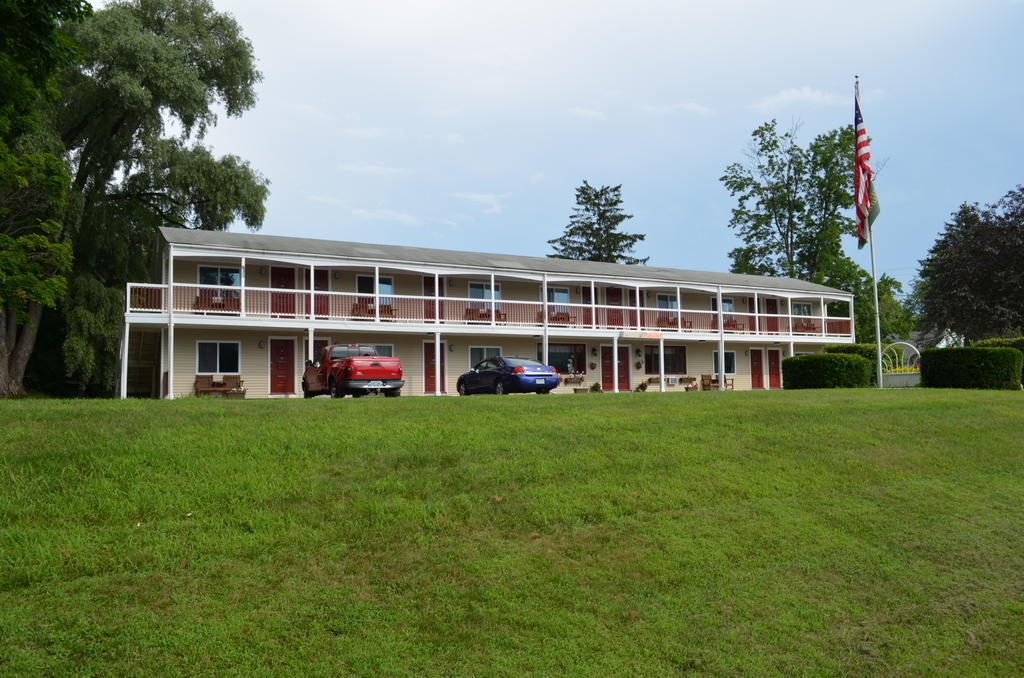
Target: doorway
(756, 368)
(606, 368)
(429, 377)
(282, 366)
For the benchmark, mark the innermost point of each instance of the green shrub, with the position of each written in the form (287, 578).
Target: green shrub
(867, 351)
(826, 370)
(1003, 342)
(972, 367)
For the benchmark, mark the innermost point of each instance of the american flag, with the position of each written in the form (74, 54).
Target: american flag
(865, 200)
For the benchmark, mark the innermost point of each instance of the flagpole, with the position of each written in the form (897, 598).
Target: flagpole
(874, 276)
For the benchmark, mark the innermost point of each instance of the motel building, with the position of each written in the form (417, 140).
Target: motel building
(230, 307)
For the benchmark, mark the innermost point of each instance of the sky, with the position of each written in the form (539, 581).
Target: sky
(467, 125)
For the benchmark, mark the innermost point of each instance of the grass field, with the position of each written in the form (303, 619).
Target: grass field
(788, 533)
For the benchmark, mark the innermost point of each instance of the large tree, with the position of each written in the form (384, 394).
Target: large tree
(593, 232)
(794, 206)
(33, 177)
(132, 118)
(970, 283)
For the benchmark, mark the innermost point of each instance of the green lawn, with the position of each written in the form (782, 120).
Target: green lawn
(789, 533)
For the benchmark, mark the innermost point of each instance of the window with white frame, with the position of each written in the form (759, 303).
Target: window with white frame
(482, 290)
(801, 308)
(726, 304)
(218, 357)
(364, 285)
(478, 354)
(730, 362)
(667, 301)
(226, 276)
(565, 358)
(386, 350)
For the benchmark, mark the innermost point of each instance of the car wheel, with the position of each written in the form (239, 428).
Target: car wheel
(461, 388)
(392, 394)
(335, 391)
(499, 387)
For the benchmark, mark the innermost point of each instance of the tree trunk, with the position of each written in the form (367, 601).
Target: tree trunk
(16, 344)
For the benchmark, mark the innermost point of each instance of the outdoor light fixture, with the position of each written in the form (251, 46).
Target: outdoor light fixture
(337, 274)
(451, 347)
(639, 353)
(263, 270)
(593, 351)
(262, 344)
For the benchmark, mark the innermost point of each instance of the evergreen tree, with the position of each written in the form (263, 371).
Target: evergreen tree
(593, 231)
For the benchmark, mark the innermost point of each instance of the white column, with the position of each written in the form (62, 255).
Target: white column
(437, 363)
(593, 304)
(679, 307)
(124, 361)
(309, 349)
(437, 299)
(493, 304)
(241, 293)
(721, 342)
(170, 361)
(824, 315)
(376, 293)
(170, 281)
(757, 323)
(853, 322)
(615, 363)
(544, 341)
(661, 364)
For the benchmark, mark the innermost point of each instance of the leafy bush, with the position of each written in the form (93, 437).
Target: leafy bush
(867, 351)
(972, 367)
(1003, 342)
(826, 370)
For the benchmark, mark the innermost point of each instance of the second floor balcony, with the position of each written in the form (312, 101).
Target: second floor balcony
(197, 300)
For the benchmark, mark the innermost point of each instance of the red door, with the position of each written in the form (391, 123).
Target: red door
(588, 318)
(771, 307)
(428, 368)
(428, 291)
(606, 368)
(282, 366)
(321, 302)
(613, 297)
(282, 279)
(774, 369)
(756, 368)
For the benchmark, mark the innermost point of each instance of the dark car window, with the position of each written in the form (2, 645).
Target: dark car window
(367, 351)
(481, 366)
(339, 352)
(523, 362)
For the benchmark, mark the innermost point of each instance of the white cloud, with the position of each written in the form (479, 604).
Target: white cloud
(372, 170)
(490, 201)
(366, 132)
(387, 215)
(587, 113)
(800, 95)
(454, 138)
(669, 109)
(536, 177)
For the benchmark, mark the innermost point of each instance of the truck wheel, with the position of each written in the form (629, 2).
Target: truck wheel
(335, 391)
(499, 387)
(305, 390)
(461, 388)
(392, 394)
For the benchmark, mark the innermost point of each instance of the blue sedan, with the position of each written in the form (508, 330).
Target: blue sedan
(506, 374)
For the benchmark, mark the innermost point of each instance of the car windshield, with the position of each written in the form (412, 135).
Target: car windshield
(523, 362)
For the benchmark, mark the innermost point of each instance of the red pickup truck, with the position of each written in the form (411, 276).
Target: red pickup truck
(352, 369)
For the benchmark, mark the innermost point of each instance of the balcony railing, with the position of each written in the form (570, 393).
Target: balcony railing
(262, 302)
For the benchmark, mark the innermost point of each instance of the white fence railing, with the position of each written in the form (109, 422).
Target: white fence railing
(262, 302)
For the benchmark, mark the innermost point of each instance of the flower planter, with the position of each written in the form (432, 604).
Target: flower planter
(234, 394)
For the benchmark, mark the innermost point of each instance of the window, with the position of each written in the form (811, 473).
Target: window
(220, 275)
(364, 285)
(478, 354)
(385, 350)
(558, 295)
(801, 308)
(667, 301)
(726, 304)
(566, 358)
(675, 359)
(482, 290)
(730, 362)
(217, 357)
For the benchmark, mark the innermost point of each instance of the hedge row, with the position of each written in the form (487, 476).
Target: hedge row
(868, 351)
(1008, 342)
(972, 367)
(826, 370)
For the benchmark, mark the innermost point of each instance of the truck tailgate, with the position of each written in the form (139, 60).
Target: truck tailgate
(379, 367)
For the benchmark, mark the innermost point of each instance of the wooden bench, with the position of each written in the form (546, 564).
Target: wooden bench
(205, 385)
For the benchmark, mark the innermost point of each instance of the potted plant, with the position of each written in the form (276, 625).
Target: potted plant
(236, 392)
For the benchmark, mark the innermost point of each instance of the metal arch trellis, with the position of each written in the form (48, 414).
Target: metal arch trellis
(900, 356)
